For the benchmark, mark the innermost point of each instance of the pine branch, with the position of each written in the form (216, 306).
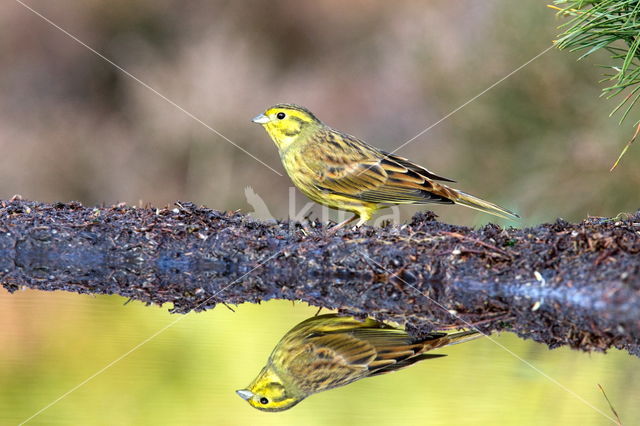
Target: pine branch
(612, 25)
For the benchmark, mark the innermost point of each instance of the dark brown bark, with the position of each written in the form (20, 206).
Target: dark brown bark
(560, 284)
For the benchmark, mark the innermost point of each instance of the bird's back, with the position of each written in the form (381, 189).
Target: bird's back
(330, 351)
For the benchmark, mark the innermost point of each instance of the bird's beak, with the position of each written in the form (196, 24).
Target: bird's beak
(244, 394)
(261, 119)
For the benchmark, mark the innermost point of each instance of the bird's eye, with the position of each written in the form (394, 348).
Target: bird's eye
(263, 400)
(281, 115)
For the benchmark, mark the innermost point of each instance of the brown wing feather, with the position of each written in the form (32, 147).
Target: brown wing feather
(348, 350)
(415, 167)
(330, 350)
(331, 360)
(347, 166)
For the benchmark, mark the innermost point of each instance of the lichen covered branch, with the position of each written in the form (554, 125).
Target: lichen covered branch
(560, 283)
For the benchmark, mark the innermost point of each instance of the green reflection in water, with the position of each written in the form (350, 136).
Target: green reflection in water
(187, 375)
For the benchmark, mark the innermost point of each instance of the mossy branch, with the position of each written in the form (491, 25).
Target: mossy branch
(560, 284)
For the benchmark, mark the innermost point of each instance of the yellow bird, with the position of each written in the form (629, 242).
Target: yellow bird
(345, 173)
(327, 351)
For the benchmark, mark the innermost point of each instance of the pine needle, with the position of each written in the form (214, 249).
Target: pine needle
(613, 410)
(626, 147)
(613, 26)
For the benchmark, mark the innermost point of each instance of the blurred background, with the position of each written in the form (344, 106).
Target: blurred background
(74, 127)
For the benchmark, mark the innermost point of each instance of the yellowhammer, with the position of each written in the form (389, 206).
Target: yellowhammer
(345, 173)
(327, 351)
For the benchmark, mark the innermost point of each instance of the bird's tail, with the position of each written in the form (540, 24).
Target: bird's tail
(462, 336)
(476, 203)
(444, 339)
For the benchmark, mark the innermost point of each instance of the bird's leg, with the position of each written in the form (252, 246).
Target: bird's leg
(364, 216)
(342, 224)
(361, 222)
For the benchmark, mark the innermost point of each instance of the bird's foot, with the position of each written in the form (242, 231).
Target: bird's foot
(342, 224)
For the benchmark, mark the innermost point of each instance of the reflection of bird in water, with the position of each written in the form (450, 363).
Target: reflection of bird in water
(327, 351)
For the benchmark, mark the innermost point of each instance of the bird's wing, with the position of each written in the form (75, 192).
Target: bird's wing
(429, 342)
(332, 358)
(347, 166)
(326, 361)
(422, 171)
(395, 349)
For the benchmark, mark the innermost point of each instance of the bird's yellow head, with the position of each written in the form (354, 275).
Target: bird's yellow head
(268, 393)
(285, 123)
